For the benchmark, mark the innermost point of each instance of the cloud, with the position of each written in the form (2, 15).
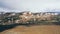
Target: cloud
(31, 5)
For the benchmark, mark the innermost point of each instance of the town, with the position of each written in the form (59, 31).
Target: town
(28, 17)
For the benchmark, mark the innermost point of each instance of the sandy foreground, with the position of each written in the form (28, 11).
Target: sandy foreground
(36, 29)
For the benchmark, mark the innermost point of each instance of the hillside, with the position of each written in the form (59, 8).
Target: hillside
(35, 29)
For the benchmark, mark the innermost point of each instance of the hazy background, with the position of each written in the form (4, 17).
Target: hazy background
(29, 5)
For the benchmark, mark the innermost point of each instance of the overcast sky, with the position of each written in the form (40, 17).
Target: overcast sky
(30, 5)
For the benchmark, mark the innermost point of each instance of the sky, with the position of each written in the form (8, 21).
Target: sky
(29, 5)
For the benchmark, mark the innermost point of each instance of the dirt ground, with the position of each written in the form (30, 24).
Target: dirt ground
(36, 29)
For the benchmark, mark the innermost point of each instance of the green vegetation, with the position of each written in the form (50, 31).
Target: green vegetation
(6, 20)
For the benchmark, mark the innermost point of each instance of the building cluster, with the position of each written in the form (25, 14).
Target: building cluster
(26, 16)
